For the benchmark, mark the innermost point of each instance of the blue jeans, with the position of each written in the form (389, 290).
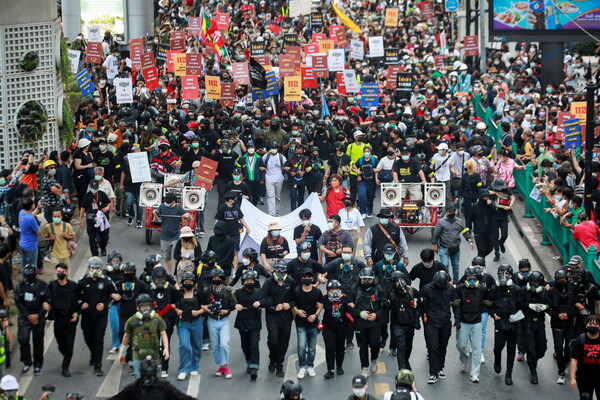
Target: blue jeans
(484, 320)
(29, 257)
(133, 202)
(190, 345)
(219, 340)
(366, 195)
(307, 346)
(446, 259)
(470, 333)
(113, 319)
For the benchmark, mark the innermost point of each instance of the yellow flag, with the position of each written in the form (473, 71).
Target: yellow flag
(345, 19)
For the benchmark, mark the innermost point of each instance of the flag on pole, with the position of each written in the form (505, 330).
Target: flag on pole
(258, 75)
(345, 19)
(324, 109)
(211, 36)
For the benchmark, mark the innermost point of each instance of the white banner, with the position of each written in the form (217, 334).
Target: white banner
(357, 49)
(350, 81)
(376, 46)
(74, 60)
(94, 34)
(299, 7)
(124, 88)
(336, 60)
(139, 167)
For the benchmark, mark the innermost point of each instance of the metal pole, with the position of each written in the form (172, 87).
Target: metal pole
(468, 22)
(482, 37)
(589, 149)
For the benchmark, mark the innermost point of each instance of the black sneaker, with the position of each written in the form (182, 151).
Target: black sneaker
(497, 366)
(130, 221)
(25, 370)
(37, 371)
(118, 213)
(432, 379)
(496, 257)
(508, 380)
(329, 374)
(534, 378)
(271, 368)
(339, 371)
(442, 374)
(98, 371)
(349, 346)
(502, 248)
(253, 374)
(66, 373)
(103, 252)
(138, 225)
(279, 373)
(248, 370)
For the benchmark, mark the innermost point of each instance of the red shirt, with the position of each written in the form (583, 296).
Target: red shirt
(586, 233)
(334, 200)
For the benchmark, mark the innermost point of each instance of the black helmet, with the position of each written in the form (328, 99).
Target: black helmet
(114, 254)
(478, 261)
(470, 271)
(333, 284)
(29, 272)
(148, 367)
(208, 256)
(290, 388)
(366, 274)
(143, 299)
(524, 263)
(248, 275)
(398, 275)
(320, 123)
(187, 276)
(561, 274)
(152, 260)
(537, 277)
(129, 266)
(314, 148)
(217, 272)
(273, 145)
(251, 253)
(280, 266)
(303, 246)
(441, 279)
(505, 269)
(159, 273)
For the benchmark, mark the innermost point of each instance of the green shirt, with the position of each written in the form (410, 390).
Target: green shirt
(145, 336)
(541, 158)
(575, 214)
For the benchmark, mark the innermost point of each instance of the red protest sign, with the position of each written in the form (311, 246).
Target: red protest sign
(227, 94)
(136, 49)
(223, 21)
(195, 26)
(427, 9)
(193, 64)
(438, 62)
(341, 39)
(170, 63)
(295, 50)
(311, 48)
(333, 30)
(189, 87)
(319, 66)
(206, 173)
(93, 53)
(560, 124)
(265, 61)
(148, 60)
(471, 46)
(275, 29)
(151, 75)
(317, 37)
(287, 65)
(240, 72)
(341, 86)
(178, 35)
(308, 78)
(178, 45)
(392, 75)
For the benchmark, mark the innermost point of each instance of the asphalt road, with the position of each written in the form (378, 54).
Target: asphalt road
(131, 242)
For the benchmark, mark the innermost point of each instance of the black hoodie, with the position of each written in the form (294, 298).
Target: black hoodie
(223, 246)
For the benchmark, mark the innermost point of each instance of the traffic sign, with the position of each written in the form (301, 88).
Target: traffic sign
(451, 5)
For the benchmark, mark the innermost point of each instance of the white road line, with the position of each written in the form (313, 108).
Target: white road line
(194, 385)
(112, 382)
(290, 368)
(512, 248)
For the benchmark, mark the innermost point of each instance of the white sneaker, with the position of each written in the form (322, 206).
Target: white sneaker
(206, 347)
(365, 372)
(311, 372)
(475, 379)
(194, 373)
(374, 366)
(561, 379)
(363, 216)
(114, 350)
(463, 366)
(181, 376)
(482, 359)
(164, 374)
(301, 373)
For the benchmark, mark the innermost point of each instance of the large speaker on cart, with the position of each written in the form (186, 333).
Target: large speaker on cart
(193, 198)
(435, 194)
(390, 195)
(150, 194)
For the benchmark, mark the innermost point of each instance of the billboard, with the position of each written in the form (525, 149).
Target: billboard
(527, 18)
(107, 14)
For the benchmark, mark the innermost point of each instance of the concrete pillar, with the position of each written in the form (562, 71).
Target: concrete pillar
(552, 63)
(71, 18)
(139, 18)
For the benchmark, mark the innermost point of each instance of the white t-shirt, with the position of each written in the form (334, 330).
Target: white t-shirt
(441, 168)
(458, 161)
(111, 62)
(351, 220)
(386, 164)
(413, 396)
(274, 166)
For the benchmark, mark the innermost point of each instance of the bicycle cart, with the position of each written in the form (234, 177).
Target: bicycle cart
(152, 225)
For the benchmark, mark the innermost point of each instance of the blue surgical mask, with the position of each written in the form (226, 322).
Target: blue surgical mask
(305, 256)
(346, 257)
(384, 221)
(389, 256)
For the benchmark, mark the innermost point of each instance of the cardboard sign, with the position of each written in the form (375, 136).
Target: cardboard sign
(350, 81)
(392, 56)
(240, 72)
(427, 9)
(93, 53)
(341, 39)
(296, 51)
(206, 173)
(178, 45)
(370, 95)
(179, 61)
(325, 46)
(316, 19)
(287, 65)
(189, 87)
(312, 48)
(376, 46)
(170, 61)
(193, 64)
(213, 87)
(147, 60)
(341, 84)
(139, 167)
(391, 17)
(471, 46)
(74, 60)
(572, 133)
(357, 50)
(227, 94)
(136, 49)
(257, 48)
(195, 26)
(223, 21)
(404, 82)
(560, 124)
(124, 88)
(319, 66)
(317, 37)
(94, 34)
(392, 75)
(161, 52)
(309, 81)
(289, 39)
(336, 59)
(292, 88)
(151, 75)
(85, 83)
(438, 61)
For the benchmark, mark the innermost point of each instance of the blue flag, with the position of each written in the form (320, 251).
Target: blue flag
(85, 83)
(324, 109)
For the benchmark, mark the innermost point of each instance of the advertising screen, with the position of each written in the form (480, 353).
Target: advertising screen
(107, 14)
(545, 16)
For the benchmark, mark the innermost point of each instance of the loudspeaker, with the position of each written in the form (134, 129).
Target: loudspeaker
(192, 198)
(150, 194)
(435, 194)
(390, 195)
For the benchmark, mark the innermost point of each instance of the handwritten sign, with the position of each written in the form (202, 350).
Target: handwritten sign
(139, 167)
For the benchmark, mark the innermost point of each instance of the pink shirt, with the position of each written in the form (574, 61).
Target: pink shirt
(505, 171)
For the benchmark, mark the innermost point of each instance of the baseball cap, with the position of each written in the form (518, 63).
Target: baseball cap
(359, 381)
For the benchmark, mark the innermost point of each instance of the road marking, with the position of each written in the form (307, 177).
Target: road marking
(290, 367)
(112, 357)
(112, 382)
(381, 369)
(194, 385)
(381, 388)
(512, 248)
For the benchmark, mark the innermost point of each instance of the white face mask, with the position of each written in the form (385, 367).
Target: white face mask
(245, 261)
(306, 222)
(359, 392)
(273, 151)
(251, 150)
(330, 225)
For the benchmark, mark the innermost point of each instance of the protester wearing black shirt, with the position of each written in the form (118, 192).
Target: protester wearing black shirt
(94, 201)
(585, 360)
(302, 262)
(481, 217)
(308, 232)
(426, 269)
(248, 322)
(232, 215)
(335, 327)
(238, 187)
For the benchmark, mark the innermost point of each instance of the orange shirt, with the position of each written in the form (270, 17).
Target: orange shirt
(119, 138)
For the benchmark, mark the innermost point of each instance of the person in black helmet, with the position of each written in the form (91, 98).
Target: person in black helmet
(562, 311)
(149, 387)
(335, 326)
(536, 305)
(248, 321)
(437, 299)
(507, 311)
(404, 316)
(314, 171)
(291, 390)
(521, 279)
(250, 264)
